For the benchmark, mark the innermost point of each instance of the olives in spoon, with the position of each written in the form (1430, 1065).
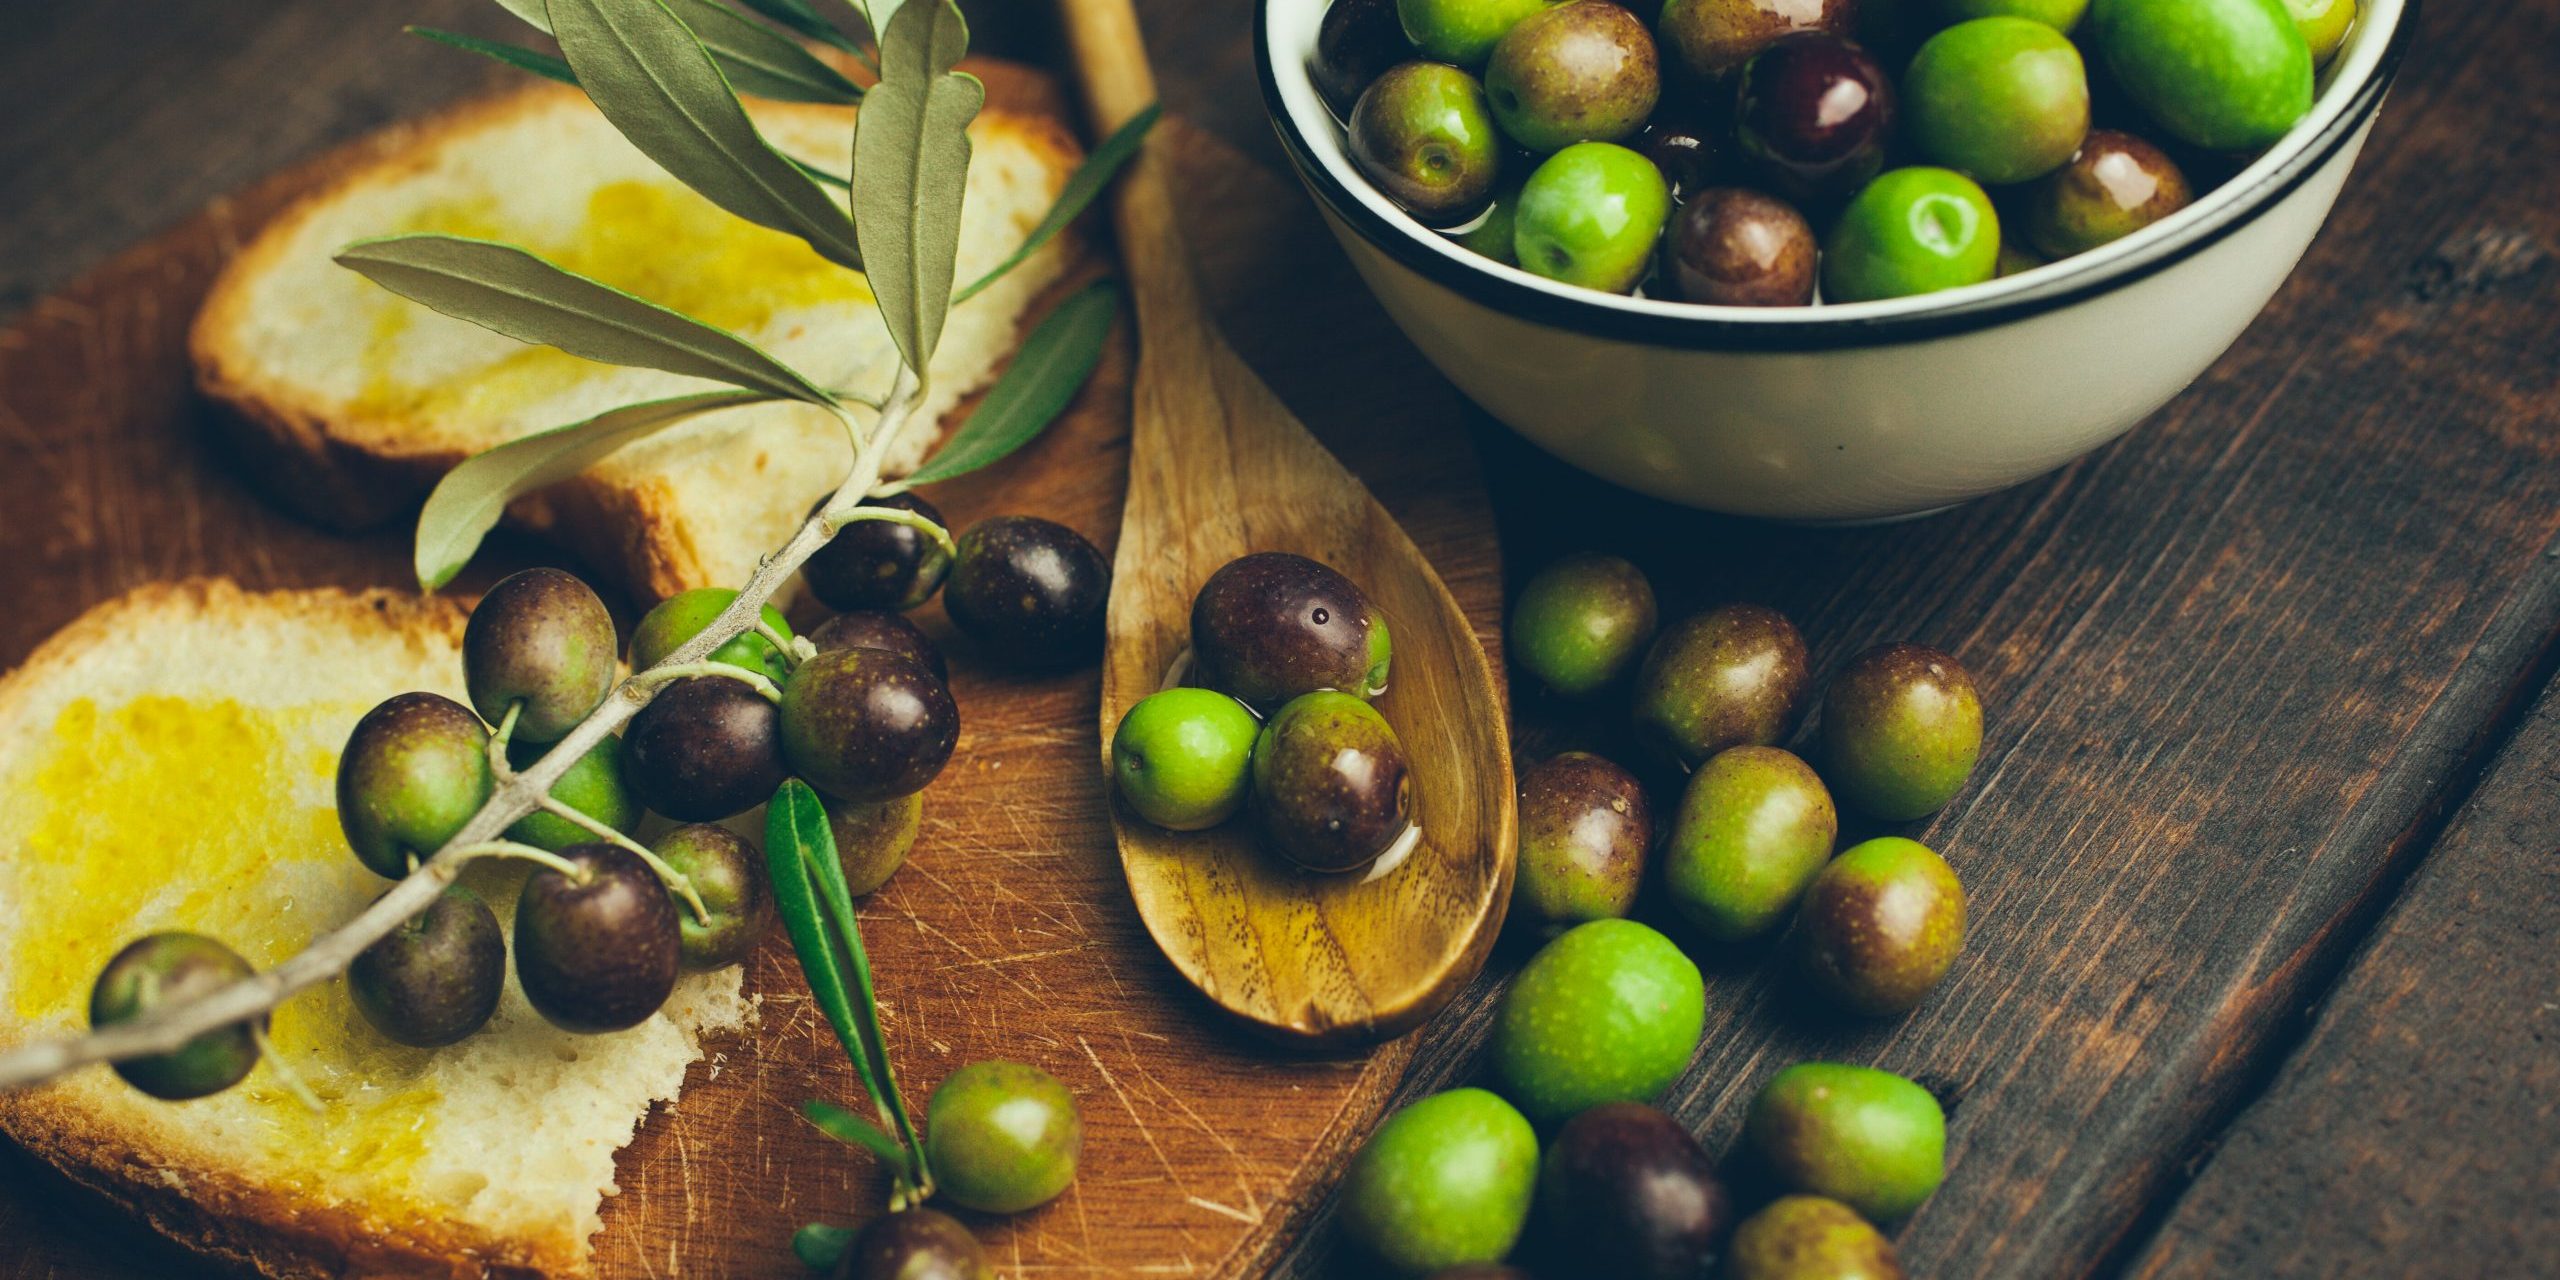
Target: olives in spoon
(1330, 791)
(1270, 626)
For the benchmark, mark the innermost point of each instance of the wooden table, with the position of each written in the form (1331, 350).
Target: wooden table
(2264, 850)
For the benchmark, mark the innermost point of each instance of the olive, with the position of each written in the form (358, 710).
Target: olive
(1867, 1138)
(437, 977)
(1270, 626)
(728, 875)
(1609, 1012)
(1901, 729)
(1355, 44)
(1444, 1182)
(1581, 622)
(1683, 146)
(597, 947)
(1627, 1193)
(1735, 247)
(2117, 185)
(1732, 676)
(1480, 1271)
(1002, 1137)
(173, 968)
(1330, 792)
(1462, 31)
(2003, 99)
(1809, 1238)
(1382, 651)
(414, 770)
(1491, 235)
(2061, 15)
(914, 1244)
(1911, 231)
(2224, 75)
(1424, 133)
(1180, 757)
(1713, 37)
(1580, 72)
(2324, 24)
(1029, 591)
(880, 564)
(682, 616)
(2016, 259)
(592, 786)
(873, 840)
(867, 724)
(1585, 827)
(1754, 829)
(1880, 926)
(873, 629)
(1590, 216)
(543, 639)
(705, 748)
(1814, 112)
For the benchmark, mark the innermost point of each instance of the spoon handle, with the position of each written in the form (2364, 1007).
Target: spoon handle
(1118, 84)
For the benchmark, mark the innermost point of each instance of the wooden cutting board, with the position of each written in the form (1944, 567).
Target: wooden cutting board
(1008, 935)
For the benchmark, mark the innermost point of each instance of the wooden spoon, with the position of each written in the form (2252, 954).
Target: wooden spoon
(1218, 467)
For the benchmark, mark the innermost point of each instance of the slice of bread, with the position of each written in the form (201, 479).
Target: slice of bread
(166, 761)
(351, 401)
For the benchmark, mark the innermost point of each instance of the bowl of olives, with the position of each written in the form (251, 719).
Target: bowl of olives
(1825, 260)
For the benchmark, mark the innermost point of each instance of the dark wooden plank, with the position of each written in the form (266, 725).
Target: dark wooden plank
(2412, 1133)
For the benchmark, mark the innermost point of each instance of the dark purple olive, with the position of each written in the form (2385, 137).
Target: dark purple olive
(867, 724)
(1585, 828)
(1625, 1192)
(873, 629)
(1683, 145)
(1270, 626)
(437, 977)
(1029, 591)
(1735, 247)
(1330, 791)
(1814, 112)
(704, 749)
(875, 564)
(543, 639)
(914, 1244)
(2116, 185)
(163, 969)
(597, 950)
(729, 876)
(1712, 37)
(1355, 44)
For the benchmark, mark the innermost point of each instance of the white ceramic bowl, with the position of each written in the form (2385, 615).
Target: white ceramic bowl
(1866, 411)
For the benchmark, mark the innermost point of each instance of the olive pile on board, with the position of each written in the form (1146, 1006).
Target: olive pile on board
(1273, 721)
(1765, 153)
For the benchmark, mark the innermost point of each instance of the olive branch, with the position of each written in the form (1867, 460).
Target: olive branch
(668, 74)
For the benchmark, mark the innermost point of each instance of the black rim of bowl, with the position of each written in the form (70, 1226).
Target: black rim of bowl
(1717, 329)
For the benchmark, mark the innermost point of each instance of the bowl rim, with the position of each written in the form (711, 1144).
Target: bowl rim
(2215, 216)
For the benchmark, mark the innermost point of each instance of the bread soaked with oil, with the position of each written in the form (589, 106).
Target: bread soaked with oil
(167, 762)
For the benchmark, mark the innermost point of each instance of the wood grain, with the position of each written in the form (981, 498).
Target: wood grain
(2420, 1111)
(1219, 468)
(1201, 1147)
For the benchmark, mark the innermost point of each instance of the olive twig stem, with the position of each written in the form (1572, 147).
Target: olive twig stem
(676, 881)
(664, 674)
(512, 849)
(790, 654)
(499, 767)
(291, 1079)
(169, 1028)
(892, 515)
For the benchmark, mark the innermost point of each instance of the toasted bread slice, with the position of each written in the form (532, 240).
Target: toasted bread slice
(353, 400)
(166, 762)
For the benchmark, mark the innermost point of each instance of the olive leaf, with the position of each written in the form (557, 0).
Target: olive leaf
(1044, 375)
(506, 289)
(761, 61)
(911, 171)
(800, 16)
(1083, 185)
(514, 55)
(819, 1246)
(653, 79)
(853, 1130)
(471, 498)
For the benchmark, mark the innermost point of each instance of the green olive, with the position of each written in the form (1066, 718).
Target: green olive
(437, 977)
(1585, 828)
(1580, 72)
(1462, 31)
(1491, 235)
(540, 638)
(1754, 828)
(165, 969)
(1002, 1137)
(1867, 1138)
(2004, 99)
(873, 840)
(1424, 134)
(1911, 231)
(592, 786)
(1809, 1238)
(1901, 729)
(2324, 24)
(1590, 215)
(1445, 1182)
(2224, 75)
(2061, 15)
(1732, 676)
(1880, 926)
(1180, 757)
(1581, 622)
(414, 770)
(1609, 1012)
(728, 875)
(682, 616)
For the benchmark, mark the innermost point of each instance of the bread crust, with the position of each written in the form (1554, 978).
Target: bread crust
(233, 1222)
(352, 472)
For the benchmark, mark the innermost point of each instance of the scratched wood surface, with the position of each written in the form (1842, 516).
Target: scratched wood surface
(2241, 666)
(1008, 934)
